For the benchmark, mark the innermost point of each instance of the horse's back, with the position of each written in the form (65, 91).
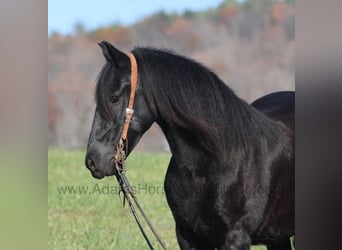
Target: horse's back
(278, 106)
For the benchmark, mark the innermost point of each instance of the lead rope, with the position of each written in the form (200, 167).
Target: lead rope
(127, 192)
(120, 165)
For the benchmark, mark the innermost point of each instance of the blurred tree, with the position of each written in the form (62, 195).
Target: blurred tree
(226, 12)
(54, 34)
(279, 12)
(229, 2)
(116, 34)
(257, 5)
(189, 14)
(210, 15)
(116, 25)
(79, 29)
(290, 2)
(167, 17)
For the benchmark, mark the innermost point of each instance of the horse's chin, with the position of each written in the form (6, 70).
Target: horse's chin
(100, 174)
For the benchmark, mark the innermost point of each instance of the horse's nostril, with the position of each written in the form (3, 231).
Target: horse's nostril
(90, 165)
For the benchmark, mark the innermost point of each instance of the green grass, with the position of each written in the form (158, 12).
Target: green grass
(96, 219)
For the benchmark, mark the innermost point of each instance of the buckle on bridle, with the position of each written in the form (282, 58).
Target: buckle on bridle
(129, 115)
(129, 111)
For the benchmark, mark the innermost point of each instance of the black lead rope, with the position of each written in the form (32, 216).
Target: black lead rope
(125, 188)
(126, 197)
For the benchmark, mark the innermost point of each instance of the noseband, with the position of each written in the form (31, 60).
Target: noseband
(120, 157)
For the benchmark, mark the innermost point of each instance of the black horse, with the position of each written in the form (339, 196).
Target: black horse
(230, 181)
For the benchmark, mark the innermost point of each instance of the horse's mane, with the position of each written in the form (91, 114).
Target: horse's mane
(190, 97)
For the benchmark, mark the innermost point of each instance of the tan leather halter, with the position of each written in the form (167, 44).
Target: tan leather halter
(129, 109)
(123, 143)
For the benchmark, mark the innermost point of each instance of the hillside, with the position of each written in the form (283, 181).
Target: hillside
(251, 48)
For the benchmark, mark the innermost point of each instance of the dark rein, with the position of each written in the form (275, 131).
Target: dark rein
(120, 158)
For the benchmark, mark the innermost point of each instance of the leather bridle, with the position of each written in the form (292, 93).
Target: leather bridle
(120, 157)
(123, 143)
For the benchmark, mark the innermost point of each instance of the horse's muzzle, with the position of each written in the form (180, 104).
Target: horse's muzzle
(96, 173)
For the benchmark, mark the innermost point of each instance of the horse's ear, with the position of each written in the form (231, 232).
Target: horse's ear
(114, 55)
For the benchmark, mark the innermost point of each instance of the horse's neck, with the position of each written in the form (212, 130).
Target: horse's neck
(265, 131)
(173, 138)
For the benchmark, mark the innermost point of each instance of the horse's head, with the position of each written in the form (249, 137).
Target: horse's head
(112, 97)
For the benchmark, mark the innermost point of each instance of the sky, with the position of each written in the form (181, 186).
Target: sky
(64, 14)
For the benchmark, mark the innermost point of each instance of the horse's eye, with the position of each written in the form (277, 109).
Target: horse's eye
(113, 98)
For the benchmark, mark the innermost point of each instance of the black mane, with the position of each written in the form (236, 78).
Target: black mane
(175, 87)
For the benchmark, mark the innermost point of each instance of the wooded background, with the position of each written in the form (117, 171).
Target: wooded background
(249, 45)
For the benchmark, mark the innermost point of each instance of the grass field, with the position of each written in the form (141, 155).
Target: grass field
(85, 213)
